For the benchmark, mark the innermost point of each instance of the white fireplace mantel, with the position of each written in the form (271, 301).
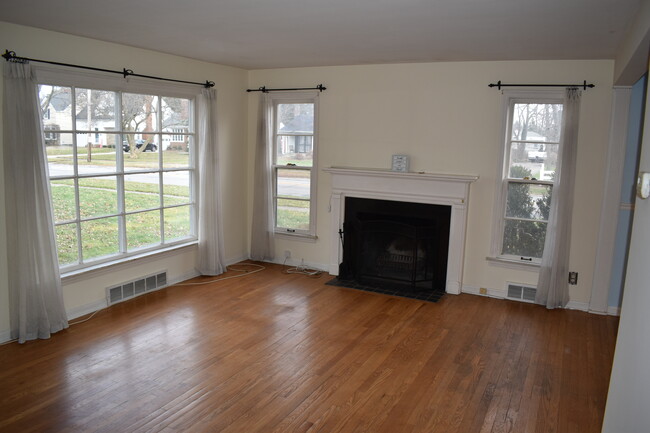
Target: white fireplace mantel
(433, 188)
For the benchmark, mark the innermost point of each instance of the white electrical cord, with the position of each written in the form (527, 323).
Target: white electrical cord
(314, 273)
(229, 268)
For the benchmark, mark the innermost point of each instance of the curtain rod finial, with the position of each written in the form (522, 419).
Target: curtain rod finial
(8, 55)
(208, 84)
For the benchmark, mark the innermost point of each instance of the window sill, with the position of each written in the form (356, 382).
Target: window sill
(513, 264)
(107, 267)
(302, 237)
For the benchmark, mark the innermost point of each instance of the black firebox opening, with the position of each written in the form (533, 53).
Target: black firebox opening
(403, 244)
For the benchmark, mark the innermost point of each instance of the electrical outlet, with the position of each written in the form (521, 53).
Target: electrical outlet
(482, 291)
(573, 278)
(287, 254)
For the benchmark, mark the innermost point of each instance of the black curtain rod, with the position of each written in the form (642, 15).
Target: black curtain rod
(584, 85)
(263, 89)
(11, 56)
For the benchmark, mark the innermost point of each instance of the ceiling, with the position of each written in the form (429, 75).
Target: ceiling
(256, 34)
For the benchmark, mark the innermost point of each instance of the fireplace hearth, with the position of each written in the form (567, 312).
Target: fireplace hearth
(397, 244)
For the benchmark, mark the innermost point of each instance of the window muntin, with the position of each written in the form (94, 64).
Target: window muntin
(116, 191)
(532, 146)
(293, 165)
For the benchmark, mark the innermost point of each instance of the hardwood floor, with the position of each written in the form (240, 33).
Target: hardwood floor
(272, 352)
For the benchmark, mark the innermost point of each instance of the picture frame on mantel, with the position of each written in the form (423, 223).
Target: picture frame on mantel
(400, 163)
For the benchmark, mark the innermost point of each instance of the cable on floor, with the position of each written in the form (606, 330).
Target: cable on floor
(229, 268)
(303, 270)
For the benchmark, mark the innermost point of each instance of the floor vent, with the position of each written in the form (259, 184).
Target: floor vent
(522, 293)
(131, 289)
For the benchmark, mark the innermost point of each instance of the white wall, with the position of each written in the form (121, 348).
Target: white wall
(631, 56)
(629, 384)
(84, 293)
(447, 119)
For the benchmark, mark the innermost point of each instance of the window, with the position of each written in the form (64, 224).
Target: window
(178, 135)
(293, 164)
(115, 192)
(533, 127)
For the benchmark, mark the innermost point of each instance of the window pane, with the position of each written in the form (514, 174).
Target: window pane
(141, 191)
(96, 153)
(533, 160)
(101, 115)
(295, 149)
(295, 118)
(537, 122)
(526, 200)
(66, 244)
(177, 150)
(56, 107)
(524, 238)
(294, 183)
(63, 200)
(139, 113)
(175, 114)
(99, 238)
(177, 223)
(293, 214)
(140, 152)
(97, 196)
(60, 153)
(176, 187)
(142, 229)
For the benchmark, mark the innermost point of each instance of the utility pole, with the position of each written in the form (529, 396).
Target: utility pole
(89, 157)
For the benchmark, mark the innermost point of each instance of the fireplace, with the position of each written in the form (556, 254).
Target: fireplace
(449, 191)
(401, 243)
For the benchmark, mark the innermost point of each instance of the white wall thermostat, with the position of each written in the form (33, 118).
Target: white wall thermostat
(643, 185)
(400, 163)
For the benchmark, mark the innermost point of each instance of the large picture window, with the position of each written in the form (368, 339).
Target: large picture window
(293, 165)
(121, 169)
(530, 166)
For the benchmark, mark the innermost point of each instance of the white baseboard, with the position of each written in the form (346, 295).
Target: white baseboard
(237, 260)
(5, 336)
(181, 278)
(613, 311)
(501, 294)
(293, 262)
(82, 310)
(575, 305)
(491, 293)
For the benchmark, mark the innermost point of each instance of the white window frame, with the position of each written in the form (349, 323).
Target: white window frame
(55, 76)
(510, 97)
(296, 98)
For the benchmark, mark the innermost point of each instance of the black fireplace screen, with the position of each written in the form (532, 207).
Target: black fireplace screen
(401, 242)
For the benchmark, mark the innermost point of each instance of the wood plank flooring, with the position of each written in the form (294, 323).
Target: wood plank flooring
(277, 353)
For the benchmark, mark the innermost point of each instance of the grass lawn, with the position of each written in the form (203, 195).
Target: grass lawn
(67, 150)
(97, 197)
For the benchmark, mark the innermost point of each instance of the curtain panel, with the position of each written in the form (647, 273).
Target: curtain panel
(262, 243)
(36, 306)
(553, 286)
(210, 221)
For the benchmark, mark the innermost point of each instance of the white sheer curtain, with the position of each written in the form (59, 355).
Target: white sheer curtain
(262, 245)
(36, 306)
(211, 248)
(552, 286)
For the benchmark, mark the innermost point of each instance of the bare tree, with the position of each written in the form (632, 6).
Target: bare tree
(137, 110)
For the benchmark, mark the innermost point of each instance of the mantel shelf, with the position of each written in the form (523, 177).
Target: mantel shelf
(359, 171)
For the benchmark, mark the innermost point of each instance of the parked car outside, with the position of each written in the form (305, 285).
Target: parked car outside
(150, 147)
